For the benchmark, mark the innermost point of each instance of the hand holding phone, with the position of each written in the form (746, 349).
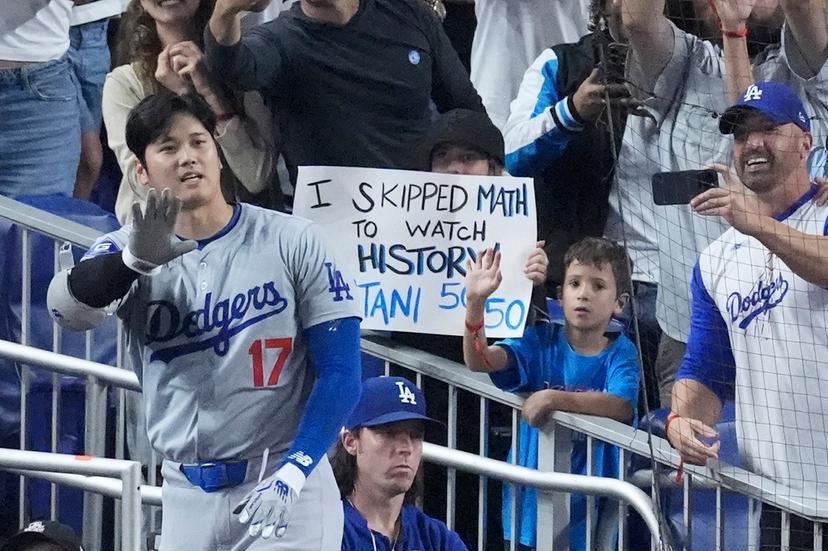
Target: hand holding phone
(678, 188)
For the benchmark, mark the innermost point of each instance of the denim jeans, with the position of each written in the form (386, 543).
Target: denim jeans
(89, 54)
(39, 129)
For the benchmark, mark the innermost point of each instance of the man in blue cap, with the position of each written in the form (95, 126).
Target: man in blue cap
(760, 305)
(376, 463)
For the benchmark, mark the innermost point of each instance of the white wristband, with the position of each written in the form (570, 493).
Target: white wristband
(292, 476)
(141, 266)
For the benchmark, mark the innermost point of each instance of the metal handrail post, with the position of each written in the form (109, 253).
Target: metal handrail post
(131, 507)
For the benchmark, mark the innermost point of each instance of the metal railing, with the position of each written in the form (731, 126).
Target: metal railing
(129, 473)
(454, 459)
(553, 447)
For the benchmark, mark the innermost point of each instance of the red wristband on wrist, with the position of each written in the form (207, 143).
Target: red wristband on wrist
(741, 33)
(473, 329)
(225, 117)
(670, 418)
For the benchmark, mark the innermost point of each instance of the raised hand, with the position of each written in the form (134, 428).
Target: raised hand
(152, 241)
(590, 97)
(733, 14)
(237, 6)
(483, 277)
(536, 264)
(168, 77)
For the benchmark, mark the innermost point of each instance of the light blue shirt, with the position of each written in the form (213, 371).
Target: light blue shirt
(543, 359)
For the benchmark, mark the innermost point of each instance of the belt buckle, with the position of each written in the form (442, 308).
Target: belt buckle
(213, 476)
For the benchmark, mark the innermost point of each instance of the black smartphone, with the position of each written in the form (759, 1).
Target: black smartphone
(677, 188)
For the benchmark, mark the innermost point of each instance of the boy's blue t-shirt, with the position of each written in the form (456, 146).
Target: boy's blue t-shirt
(543, 359)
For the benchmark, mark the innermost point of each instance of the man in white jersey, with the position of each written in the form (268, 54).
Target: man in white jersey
(760, 305)
(244, 336)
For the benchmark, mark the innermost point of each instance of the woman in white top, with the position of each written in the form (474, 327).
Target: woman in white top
(160, 41)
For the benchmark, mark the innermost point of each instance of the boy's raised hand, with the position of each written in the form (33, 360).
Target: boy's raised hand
(536, 264)
(483, 277)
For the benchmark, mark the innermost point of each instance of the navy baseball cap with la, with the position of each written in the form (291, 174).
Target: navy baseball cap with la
(777, 101)
(388, 400)
(44, 531)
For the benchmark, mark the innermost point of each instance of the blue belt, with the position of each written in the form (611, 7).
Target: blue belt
(214, 476)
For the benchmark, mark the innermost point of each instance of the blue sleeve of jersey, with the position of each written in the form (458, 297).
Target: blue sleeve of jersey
(541, 122)
(333, 349)
(624, 375)
(523, 373)
(709, 357)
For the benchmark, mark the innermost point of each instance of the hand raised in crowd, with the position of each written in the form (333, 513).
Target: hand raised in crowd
(186, 60)
(237, 6)
(684, 434)
(590, 97)
(168, 77)
(733, 202)
(184, 70)
(483, 276)
(536, 265)
(733, 14)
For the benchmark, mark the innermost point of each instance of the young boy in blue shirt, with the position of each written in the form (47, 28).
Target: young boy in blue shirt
(577, 367)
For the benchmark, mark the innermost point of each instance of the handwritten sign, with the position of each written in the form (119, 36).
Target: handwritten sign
(406, 236)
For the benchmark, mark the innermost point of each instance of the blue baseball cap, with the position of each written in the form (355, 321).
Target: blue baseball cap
(388, 400)
(775, 100)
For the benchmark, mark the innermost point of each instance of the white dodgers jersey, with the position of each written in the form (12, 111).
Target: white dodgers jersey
(777, 324)
(216, 336)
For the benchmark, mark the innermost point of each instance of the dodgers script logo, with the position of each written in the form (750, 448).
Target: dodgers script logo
(766, 297)
(165, 322)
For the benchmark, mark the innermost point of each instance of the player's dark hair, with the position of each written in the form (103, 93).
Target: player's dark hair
(598, 251)
(153, 116)
(345, 471)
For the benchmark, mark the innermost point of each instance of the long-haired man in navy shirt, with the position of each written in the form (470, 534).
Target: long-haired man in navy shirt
(376, 463)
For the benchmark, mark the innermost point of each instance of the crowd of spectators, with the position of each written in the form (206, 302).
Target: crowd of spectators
(589, 98)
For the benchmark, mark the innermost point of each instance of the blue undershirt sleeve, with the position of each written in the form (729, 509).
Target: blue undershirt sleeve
(333, 352)
(709, 357)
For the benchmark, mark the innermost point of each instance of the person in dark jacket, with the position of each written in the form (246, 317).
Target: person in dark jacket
(376, 463)
(351, 82)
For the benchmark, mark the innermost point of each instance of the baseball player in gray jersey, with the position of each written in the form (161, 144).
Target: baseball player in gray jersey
(243, 333)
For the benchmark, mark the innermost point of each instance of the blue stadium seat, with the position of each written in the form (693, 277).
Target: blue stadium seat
(70, 434)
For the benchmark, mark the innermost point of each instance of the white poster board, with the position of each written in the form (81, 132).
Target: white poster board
(405, 237)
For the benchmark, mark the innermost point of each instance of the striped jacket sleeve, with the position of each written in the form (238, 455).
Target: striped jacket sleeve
(541, 122)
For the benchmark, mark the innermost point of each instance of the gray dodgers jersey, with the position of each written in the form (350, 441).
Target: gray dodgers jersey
(216, 336)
